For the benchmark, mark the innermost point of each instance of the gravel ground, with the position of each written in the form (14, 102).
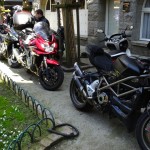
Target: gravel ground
(97, 131)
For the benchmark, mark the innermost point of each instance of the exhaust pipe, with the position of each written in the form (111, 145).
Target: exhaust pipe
(79, 85)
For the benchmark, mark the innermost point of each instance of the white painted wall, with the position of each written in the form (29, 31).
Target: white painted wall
(83, 16)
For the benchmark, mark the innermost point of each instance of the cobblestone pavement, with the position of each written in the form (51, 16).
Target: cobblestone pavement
(97, 131)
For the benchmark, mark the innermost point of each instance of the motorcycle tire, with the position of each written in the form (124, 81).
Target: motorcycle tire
(142, 130)
(77, 98)
(12, 62)
(51, 78)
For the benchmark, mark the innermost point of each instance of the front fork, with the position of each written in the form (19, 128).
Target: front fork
(45, 63)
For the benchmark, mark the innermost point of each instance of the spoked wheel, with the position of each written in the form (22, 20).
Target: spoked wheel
(12, 61)
(52, 77)
(143, 131)
(77, 98)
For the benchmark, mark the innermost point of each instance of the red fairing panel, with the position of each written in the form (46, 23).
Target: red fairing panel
(40, 52)
(52, 62)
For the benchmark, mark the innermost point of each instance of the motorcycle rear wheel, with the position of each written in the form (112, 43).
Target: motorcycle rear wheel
(51, 78)
(12, 61)
(77, 98)
(143, 131)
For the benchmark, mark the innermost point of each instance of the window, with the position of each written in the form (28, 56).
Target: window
(82, 3)
(50, 5)
(145, 21)
(53, 9)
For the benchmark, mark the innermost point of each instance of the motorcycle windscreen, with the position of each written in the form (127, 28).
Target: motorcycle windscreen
(42, 29)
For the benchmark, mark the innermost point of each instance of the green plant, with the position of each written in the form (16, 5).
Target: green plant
(14, 116)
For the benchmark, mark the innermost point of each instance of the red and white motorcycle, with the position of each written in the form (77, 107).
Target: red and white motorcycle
(38, 53)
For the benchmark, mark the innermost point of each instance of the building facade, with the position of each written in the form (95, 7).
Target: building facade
(10, 3)
(115, 15)
(112, 16)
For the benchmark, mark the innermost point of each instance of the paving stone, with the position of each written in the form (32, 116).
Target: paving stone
(38, 147)
(58, 121)
(66, 130)
(46, 142)
(54, 137)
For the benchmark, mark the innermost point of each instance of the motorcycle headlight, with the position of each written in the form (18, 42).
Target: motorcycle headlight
(48, 48)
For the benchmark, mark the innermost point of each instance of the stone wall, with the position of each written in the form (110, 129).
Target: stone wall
(137, 21)
(137, 46)
(96, 19)
(97, 15)
(127, 18)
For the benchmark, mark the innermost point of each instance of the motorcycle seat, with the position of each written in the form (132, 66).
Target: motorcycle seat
(98, 58)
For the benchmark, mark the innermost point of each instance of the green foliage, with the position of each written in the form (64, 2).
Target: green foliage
(14, 116)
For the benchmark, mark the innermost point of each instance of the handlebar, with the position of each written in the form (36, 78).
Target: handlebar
(118, 35)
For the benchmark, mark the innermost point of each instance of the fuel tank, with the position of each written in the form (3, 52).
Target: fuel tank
(127, 66)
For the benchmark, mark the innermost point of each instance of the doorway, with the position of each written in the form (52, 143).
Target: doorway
(112, 16)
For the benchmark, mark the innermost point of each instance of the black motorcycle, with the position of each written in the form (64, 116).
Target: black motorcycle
(121, 88)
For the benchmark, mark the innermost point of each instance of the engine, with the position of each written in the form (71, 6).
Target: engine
(102, 98)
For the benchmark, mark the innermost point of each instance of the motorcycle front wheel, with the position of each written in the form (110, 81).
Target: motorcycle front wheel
(143, 131)
(52, 77)
(77, 98)
(12, 61)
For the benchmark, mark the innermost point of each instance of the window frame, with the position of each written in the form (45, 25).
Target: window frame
(144, 10)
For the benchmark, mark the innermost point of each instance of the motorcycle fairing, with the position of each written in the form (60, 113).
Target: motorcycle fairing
(52, 62)
(40, 52)
(39, 40)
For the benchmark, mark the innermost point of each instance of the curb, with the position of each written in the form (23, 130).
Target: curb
(51, 140)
